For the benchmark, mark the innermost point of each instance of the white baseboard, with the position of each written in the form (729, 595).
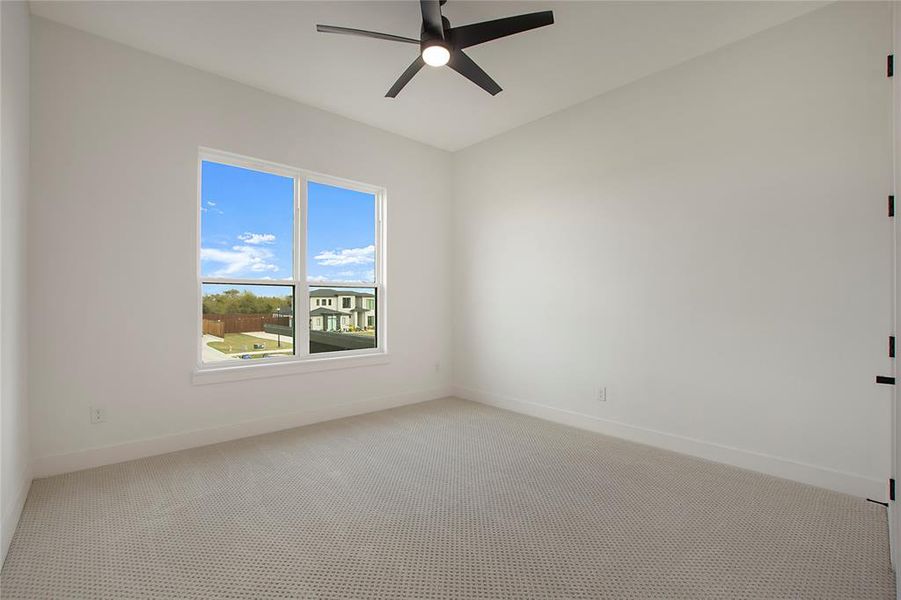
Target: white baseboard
(825, 477)
(94, 457)
(11, 519)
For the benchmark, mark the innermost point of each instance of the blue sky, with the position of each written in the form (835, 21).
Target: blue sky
(340, 234)
(247, 227)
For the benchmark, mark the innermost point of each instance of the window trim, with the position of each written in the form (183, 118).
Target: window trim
(302, 360)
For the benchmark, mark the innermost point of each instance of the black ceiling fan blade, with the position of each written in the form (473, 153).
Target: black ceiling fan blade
(479, 33)
(363, 33)
(467, 67)
(405, 77)
(431, 18)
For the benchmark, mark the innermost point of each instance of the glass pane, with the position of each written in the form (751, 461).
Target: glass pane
(247, 322)
(340, 235)
(342, 319)
(246, 223)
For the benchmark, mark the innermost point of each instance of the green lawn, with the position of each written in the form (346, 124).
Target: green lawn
(235, 343)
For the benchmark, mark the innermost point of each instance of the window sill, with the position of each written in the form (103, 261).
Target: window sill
(216, 374)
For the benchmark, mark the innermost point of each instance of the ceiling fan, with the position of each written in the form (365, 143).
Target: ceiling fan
(440, 44)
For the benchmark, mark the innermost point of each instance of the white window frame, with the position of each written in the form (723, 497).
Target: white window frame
(302, 360)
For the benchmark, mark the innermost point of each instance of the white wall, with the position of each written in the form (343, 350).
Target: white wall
(112, 288)
(14, 452)
(725, 224)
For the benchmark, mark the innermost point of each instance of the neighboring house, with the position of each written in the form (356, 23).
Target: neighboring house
(341, 310)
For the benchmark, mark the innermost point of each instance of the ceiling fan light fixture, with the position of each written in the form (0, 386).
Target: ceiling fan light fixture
(435, 55)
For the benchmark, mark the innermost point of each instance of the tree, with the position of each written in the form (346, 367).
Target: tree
(237, 302)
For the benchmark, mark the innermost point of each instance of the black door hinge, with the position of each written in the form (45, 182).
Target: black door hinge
(890, 65)
(891, 206)
(891, 490)
(885, 380)
(891, 346)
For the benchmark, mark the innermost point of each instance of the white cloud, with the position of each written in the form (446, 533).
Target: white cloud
(337, 279)
(239, 260)
(256, 238)
(346, 256)
(211, 207)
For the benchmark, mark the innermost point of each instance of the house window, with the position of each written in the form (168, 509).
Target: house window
(262, 299)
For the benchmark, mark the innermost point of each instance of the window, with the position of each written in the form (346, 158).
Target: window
(341, 261)
(278, 248)
(247, 321)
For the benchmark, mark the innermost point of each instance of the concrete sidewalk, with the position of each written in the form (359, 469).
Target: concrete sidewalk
(211, 354)
(270, 336)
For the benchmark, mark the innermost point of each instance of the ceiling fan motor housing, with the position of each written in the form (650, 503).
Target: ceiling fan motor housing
(429, 38)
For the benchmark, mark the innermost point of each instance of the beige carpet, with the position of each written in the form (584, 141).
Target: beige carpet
(446, 499)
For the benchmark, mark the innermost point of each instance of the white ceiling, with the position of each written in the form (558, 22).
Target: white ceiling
(593, 47)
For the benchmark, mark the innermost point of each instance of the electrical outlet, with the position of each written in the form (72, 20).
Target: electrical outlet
(602, 394)
(437, 367)
(98, 415)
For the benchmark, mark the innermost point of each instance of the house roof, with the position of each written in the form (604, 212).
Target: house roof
(328, 292)
(360, 309)
(318, 312)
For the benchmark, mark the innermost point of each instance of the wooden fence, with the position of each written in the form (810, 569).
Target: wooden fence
(216, 328)
(219, 325)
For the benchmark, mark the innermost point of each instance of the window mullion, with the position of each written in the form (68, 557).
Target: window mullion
(302, 290)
